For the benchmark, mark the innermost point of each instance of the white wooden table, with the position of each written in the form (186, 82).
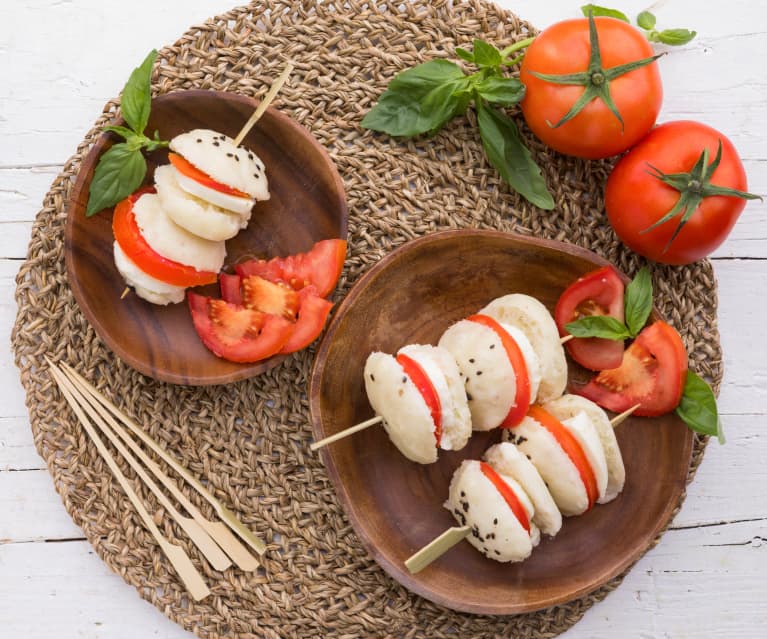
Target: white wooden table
(61, 61)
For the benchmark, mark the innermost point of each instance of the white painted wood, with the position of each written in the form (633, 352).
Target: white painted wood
(705, 579)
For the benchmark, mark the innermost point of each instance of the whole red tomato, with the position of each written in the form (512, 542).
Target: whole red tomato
(636, 196)
(596, 131)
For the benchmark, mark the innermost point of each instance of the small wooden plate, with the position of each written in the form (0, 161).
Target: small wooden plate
(307, 205)
(395, 505)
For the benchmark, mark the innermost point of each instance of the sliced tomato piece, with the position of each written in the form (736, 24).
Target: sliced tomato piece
(230, 288)
(572, 448)
(237, 333)
(599, 292)
(509, 496)
(320, 266)
(313, 312)
(128, 236)
(522, 397)
(276, 298)
(652, 374)
(422, 382)
(189, 170)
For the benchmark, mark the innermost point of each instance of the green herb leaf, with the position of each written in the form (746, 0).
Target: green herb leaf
(120, 171)
(511, 158)
(646, 20)
(501, 90)
(698, 407)
(603, 11)
(486, 55)
(136, 97)
(673, 37)
(464, 54)
(598, 326)
(122, 131)
(638, 301)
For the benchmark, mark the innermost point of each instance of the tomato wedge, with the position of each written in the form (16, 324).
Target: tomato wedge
(652, 374)
(128, 236)
(230, 288)
(276, 298)
(426, 388)
(572, 448)
(509, 496)
(599, 292)
(189, 170)
(312, 314)
(522, 397)
(320, 266)
(237, 333)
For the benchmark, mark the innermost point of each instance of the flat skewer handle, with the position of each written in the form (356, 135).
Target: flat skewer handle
(345, 433)
(436, 548)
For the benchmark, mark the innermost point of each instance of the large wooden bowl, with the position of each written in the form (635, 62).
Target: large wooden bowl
(395, 505)
(307, 204)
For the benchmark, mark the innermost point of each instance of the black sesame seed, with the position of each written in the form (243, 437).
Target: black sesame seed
(492, 345)
(495, 521)
(528, 456)
(250, 156)
(479, 373)
(199, 140)
(230, 155)
(256, 175)
(404, 379)
(463, 493)
(471, 360)
(469, 397)
(372, 377)
(466, 506)
(216, 144)
(236, 158)
(496, 552)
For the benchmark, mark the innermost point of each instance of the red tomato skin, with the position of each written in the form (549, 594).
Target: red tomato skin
(509, 496)
(313, 312)
(595, 132)
(635, 199)
(231, 288)
(430, 396)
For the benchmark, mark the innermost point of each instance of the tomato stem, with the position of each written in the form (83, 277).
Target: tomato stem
(505, 53)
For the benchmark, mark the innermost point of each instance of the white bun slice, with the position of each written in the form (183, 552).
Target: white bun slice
(535, 321)
(215, 154)
(191, 213)
(146, 286)
(568, 406)
(406, 417)
(495, 531)
(238, 205)
(507, 460)
(171, 241)
(440, 367)
(586, 433)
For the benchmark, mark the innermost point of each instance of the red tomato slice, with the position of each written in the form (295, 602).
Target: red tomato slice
(599, 292)
(189, 170)
(320, 266)
(652, 374)
(313, 312)
(572, 448)
(509, 496)
(522, 396)
(426, 388)
(128, 236)
(276, 298)
(237, 333)
(230, 288)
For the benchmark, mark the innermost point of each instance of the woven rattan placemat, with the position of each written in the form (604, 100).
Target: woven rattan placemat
(250, 439)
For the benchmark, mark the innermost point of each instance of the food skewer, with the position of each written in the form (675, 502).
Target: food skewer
(180, 561)
(226, 515)
(201, 528)
(346, 432)
(268, 99)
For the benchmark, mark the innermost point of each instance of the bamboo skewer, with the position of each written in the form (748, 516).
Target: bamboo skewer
(566, 338)
(180, 561)
(226, 515)
(619, 419)
(344, 433)
(268, 99)
(213, 531)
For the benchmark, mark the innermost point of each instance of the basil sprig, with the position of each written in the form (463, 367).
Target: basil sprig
(423, 99)
(122, 169)
(645, 21)
(697, 408)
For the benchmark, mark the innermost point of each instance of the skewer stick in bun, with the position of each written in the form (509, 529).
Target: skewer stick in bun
(346, 432)
(268, 98)
(565, 339)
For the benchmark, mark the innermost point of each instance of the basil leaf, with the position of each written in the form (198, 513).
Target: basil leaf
(646, 20)
(603, 326)
(510, 157)
(464, 54)
(594, 10)
(501, 90)
(638, 301)
(120, 171)
(698, 407)
(675, 37)
(136, 98)
(486, 55)
(425, 77)
(121, 130)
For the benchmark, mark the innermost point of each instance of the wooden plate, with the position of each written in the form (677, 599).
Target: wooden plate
(307, 204)
(395, 505)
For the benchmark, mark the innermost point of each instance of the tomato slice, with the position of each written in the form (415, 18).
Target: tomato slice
(652, 374)
(572, 448)
(427, 390)
(313, 312)
(599, 292)
(230, 288)
(509, 496)
(237, 333)
(276, 298)
(128, 236)
(522, 395)
(189, 170)
(320, 266)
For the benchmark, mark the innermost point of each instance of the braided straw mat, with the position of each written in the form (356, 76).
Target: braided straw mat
(249, 440)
